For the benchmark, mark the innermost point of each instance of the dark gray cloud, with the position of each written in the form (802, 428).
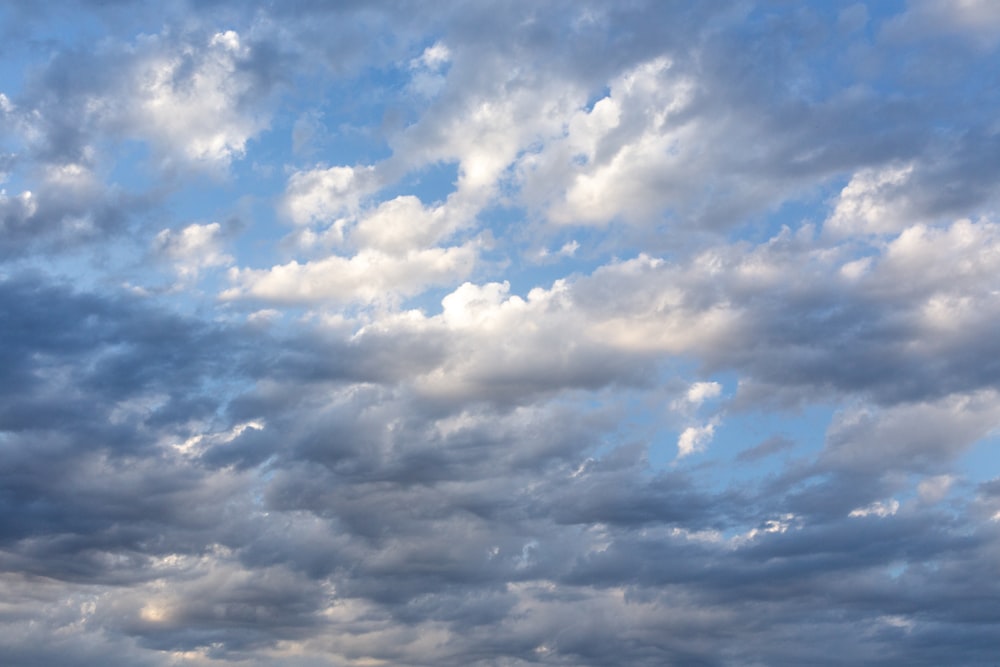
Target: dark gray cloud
(765, 448)
(450, 523)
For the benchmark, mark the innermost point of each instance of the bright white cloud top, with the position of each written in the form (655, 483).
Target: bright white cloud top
(567, 333)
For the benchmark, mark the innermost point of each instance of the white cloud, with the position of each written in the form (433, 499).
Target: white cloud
(699, 392)
(694, 439)
(776, 526)
(404, 223)
(618, 158)
(482, 307)
(569, 248)
(874, 202)
(628, 312)
(396, 245)
(196, 100)
(368, 277)
(188, 99)
(193, 248)
(433, 57)
(487, 115)
(198, 444)
(960, 258)
(879, 508)
(320, 196)
(427, 80)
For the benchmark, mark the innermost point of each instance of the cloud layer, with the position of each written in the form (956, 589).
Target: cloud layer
(510, 334)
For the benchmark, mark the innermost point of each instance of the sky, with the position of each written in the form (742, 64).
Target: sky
(575, 333)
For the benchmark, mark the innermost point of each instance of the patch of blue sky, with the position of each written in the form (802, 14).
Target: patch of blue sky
(981, 462)
(130, 166)
(637, 420)
(211, 200)
(809, 208)
(530, 255)
(428, 301)
(805, 427)
(11, 75)
(432, 183)
(345, 122)
(797, 436)
(366, 100)
(595, 97)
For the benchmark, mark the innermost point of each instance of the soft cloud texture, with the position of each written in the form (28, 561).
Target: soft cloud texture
(499, 334)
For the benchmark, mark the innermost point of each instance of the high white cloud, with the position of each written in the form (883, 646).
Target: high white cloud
(699, 392)
(694, 439)
(192, 100)
(879, 508)
(622, 157)
(367, 277)
(872, 203)
(195, 99)
(193, 248)
(404, 223)
(486, 115)
(324, 195)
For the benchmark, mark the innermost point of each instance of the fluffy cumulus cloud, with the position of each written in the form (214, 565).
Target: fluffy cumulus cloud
(506, 334)
(193, 248)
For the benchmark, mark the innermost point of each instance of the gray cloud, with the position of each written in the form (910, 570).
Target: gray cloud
(479, 468)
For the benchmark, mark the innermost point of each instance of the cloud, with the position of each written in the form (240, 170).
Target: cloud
(196, 101)
(427, 80)
(189, 102)
(193, 248)
(367, 277)
(768, 447)
(323, 195)
(878, 508)
(694, 439)
(934, 489)
(866, 204)
(974, 20)
(699, 392)
(70, 207)
(396, 432)
(919, 436)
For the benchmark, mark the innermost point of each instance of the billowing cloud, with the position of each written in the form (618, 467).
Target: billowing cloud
(367, 277)
(694, 439)
(193, 248)
(323, 195)
(190, 101)
(506, 334)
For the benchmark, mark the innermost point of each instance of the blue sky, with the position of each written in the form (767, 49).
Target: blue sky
(499, 333)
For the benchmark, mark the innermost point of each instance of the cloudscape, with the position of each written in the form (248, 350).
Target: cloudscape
(500, 333)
